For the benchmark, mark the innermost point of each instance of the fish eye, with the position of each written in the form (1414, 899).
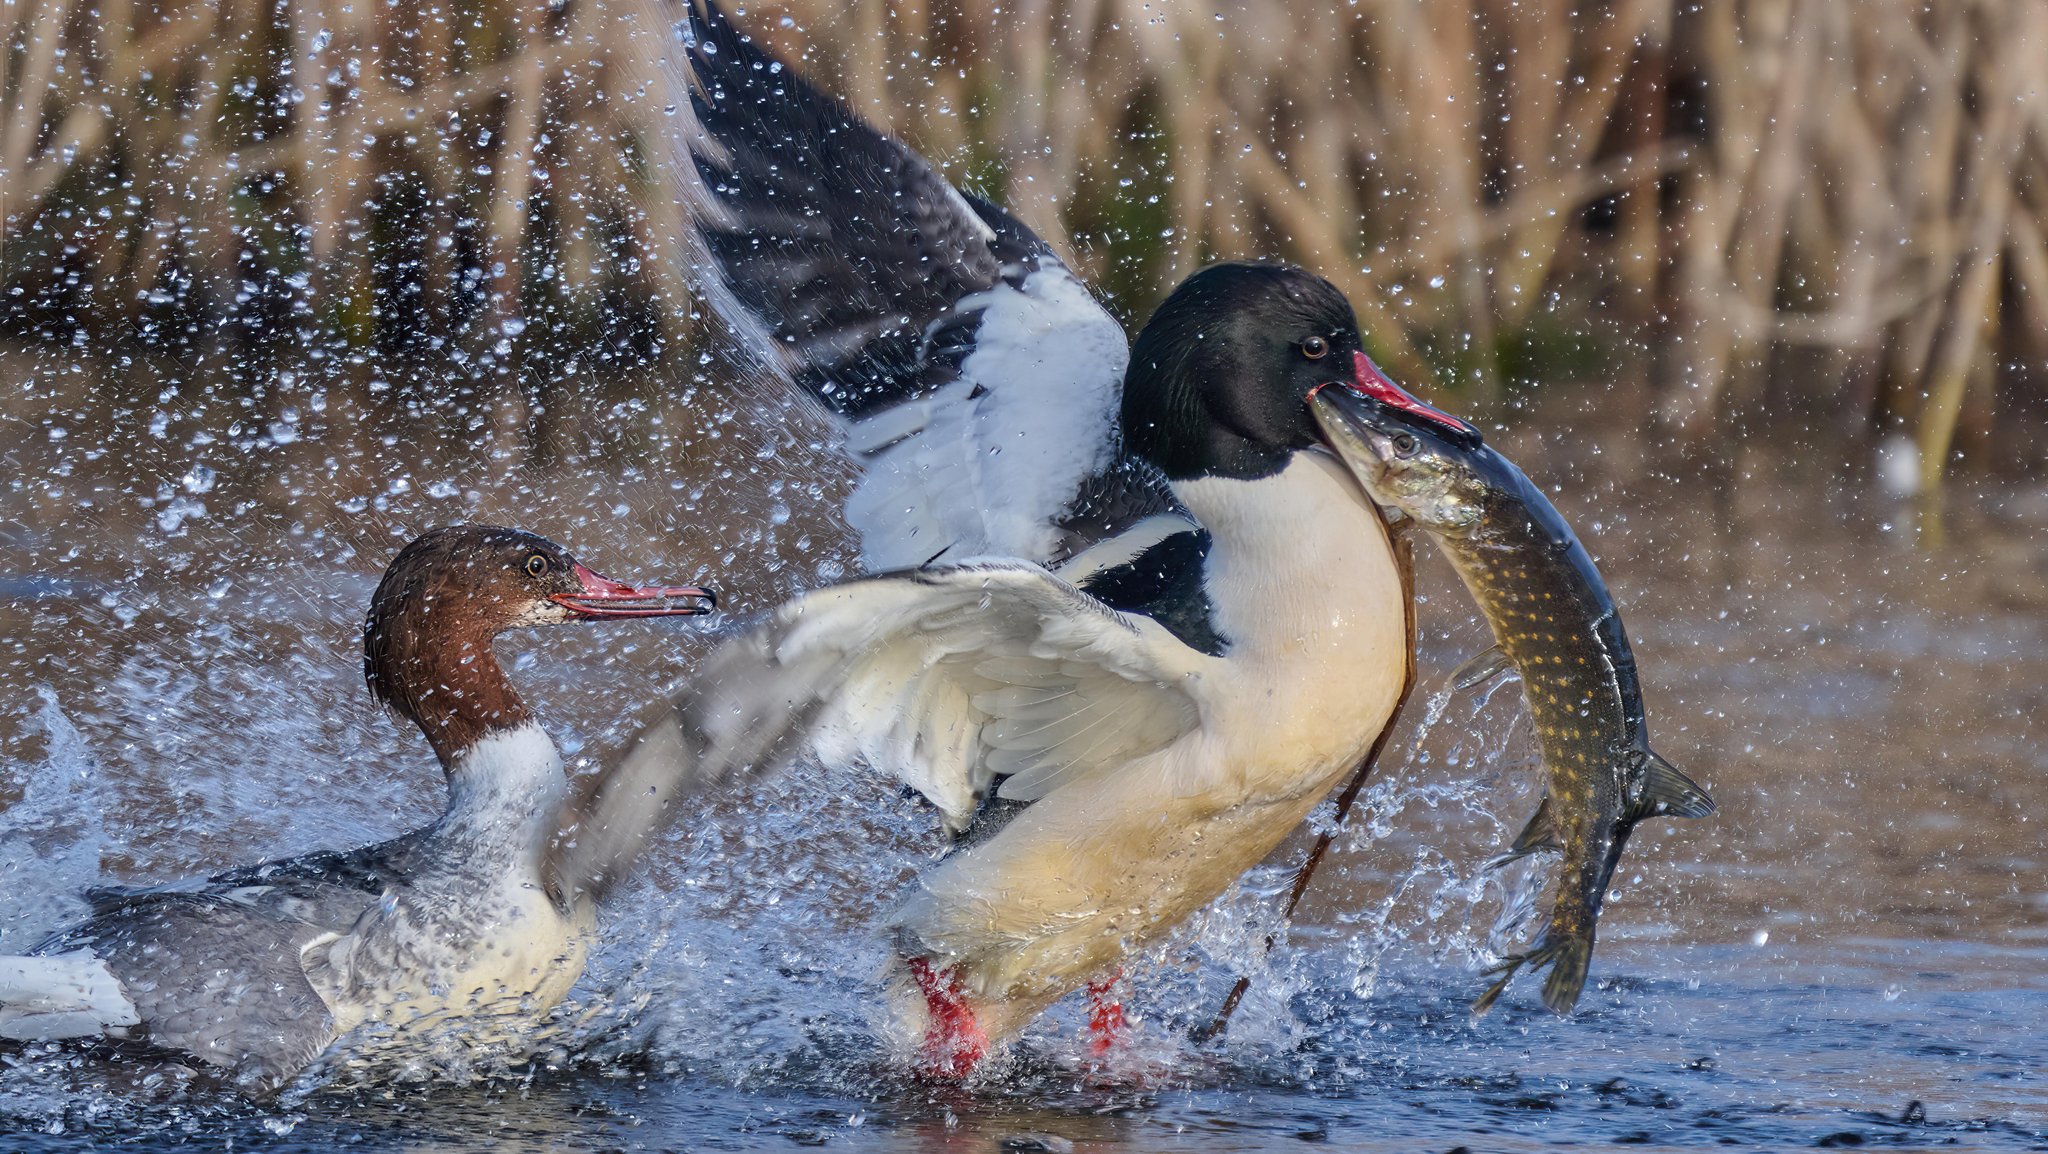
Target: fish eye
(1315, 348)
(1406, 444)
(537, 565)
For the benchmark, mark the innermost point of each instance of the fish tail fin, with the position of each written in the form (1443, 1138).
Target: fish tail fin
(1668, 792)
(1536, 837)
(1568, 958)
(1506, 970)
(70, 995)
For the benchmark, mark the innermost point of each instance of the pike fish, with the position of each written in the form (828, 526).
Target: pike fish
(1555, 623)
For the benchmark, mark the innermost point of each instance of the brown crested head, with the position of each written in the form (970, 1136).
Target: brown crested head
(427, 641)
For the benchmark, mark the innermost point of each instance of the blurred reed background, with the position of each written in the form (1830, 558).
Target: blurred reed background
(1713, 218)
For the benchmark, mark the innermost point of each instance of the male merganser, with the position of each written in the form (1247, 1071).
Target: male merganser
(452, 929)
(1220, 636)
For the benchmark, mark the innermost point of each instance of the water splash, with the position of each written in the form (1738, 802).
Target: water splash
(51, 840)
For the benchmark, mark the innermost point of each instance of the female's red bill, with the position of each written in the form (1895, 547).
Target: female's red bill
(603, 597)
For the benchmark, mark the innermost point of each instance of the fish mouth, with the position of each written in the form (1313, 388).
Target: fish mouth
(603, 598)
(1369, 383)
(1350, 424)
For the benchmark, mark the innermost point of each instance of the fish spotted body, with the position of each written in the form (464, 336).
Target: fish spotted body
(1555, 623)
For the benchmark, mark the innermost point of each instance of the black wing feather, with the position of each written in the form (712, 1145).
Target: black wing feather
(844, 240)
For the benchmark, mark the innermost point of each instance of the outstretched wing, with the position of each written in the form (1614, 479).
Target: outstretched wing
(976, 379)
(324, 887)
(950, 678)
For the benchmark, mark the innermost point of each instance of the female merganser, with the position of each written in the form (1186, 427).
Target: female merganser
(1219, 636)
(448, 931)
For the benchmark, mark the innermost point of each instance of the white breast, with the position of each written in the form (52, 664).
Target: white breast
(1304, 585)
(475, 935)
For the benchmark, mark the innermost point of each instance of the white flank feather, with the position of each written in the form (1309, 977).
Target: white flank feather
(70, 995)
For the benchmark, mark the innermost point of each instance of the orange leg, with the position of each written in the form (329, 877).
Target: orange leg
(1106, 1021)
(953, 1040)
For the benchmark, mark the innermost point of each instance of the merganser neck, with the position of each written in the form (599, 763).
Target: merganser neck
(505, 789)
(452, 687)
(1299, 562)
(427, 653)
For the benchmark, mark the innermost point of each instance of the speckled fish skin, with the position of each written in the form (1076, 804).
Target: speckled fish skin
(1556, 623)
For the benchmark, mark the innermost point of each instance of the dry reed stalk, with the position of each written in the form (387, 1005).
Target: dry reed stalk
(1852, 150)
(1761, 228)
(1444, 71)
(33, 46)
(1973, 306)
(1579, 119)
(1925, 190)
(1642, 246)
(2027, 256)
(339, 104)
(1748, 73)
(1539, 36)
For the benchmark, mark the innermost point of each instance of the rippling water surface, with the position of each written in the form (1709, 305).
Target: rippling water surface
(1850, 953)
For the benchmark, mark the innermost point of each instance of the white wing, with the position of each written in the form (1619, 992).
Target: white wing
(993, 461)
(948, 678)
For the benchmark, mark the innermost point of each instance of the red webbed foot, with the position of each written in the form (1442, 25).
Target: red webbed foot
(953, 1040)
(1106, 1021)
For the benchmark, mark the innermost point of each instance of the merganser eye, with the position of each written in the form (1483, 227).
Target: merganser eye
(1315, 348)
(537, 565)
(1405, 444)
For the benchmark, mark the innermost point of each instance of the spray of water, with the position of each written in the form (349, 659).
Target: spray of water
(52, 838)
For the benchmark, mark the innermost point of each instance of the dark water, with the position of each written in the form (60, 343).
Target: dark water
(1853, 952)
